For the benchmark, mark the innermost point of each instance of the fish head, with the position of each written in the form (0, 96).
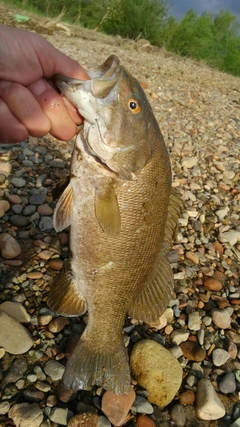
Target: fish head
(119, 126)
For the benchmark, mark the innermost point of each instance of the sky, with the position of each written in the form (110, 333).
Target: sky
(179, 8)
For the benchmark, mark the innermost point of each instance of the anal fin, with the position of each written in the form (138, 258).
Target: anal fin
(64, 297)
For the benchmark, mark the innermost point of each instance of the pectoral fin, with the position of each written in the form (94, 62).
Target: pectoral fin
(107, 210)
(65, 297)
(62, 213)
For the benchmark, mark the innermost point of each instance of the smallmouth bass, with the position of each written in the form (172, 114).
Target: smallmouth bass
(122, 213)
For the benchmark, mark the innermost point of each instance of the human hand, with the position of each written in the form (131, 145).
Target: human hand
(29, 103)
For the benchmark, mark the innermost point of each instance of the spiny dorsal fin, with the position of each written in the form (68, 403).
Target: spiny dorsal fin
(107, 210)
(63, 210)
(64, 297)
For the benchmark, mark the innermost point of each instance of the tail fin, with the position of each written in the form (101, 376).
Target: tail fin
(91, 364)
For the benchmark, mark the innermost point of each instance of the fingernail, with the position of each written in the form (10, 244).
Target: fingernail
(38, 87)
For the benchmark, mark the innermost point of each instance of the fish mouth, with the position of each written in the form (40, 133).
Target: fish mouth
(102, 81)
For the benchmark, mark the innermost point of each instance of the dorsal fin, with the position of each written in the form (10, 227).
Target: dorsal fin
(150, 304)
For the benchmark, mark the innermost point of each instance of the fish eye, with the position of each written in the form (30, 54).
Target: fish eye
(134, 105)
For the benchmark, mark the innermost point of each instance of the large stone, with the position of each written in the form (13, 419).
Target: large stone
(208, 404)
(16, 310)
(26, 414)
(116, 406)
(13, 336)
(156, 370)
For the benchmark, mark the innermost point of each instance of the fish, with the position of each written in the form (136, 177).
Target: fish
(122, 211)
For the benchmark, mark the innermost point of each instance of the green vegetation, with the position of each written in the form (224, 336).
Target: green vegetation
(214, 39)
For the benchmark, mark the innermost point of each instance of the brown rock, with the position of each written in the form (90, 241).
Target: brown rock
(213, 284)
(65, 394)
(86, 419)
(9, 247)
(58, 324)
(192, 256)
(218, 247)
(4, 206)
(144, 421)
(63, 239)
(187, 397)
(45, 255)
(15, 199)
(232, 350)
(35, 275)
(55, 264)
(45, 210)
(192, 351)
(117, 406)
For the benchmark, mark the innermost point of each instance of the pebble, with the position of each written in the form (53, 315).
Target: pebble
(18, 182)
(57, 324)
(156, 370)
(219, 356)
(193, 257)
(187, 397)
(9, 247)
(189, 162)
(14, 198)
(117, 406)
(45, 209)
(45, 223)
(29, 210)
(15, 310)
(26, 414)
(103, 422)
(4, 206)
(179, 335)
(19, 220)
(221, 318)
(4, 407)
(228, 383)
(13, 336)
(236, 423)
(178, 415)
(16, 371)
(37, 199)
(192, 351)
(61, 416)
(194, 321)
(144, 421)
(5, 168)
(54, 370)
(142, 406)
(55, 264)
(213, 284)
(208, 404)
(232, 237)
(35, 275)
(86, 419)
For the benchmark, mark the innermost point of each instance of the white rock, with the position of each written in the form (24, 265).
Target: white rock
(194, 321)
(189, 162)
(179, 335)
(208, 404)
(14, 337)
(236, 423)
(26, 414)
(232, 237)
(219, 356)
(221, 213)
(16, 310)
(54, 369)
